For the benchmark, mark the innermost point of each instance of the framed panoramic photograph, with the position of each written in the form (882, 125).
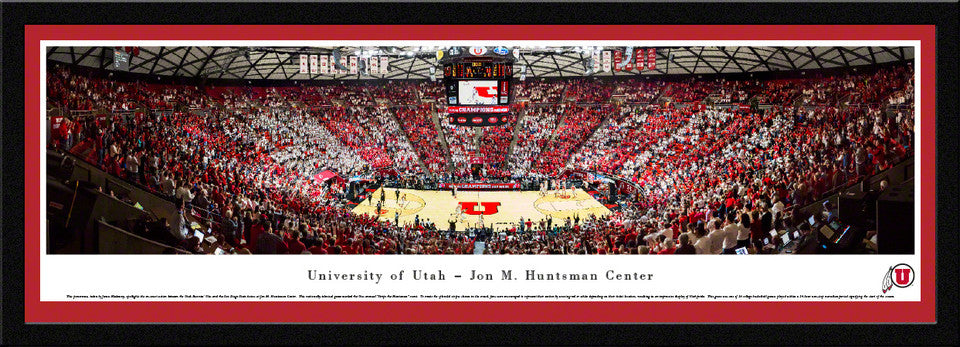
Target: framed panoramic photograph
(479, 173)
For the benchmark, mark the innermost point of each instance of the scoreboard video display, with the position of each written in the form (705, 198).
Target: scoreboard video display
(478, 86)
(478, 83)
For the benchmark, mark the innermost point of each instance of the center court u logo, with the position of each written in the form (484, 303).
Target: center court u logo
(487, 208)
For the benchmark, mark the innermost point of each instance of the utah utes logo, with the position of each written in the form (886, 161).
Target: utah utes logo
(478, 50)
(484, 92)
(486, 208)
(901, 275)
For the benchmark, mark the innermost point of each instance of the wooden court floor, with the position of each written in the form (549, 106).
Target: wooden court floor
(498, 209)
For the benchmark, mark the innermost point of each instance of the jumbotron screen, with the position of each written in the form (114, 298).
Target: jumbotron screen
(478, 93)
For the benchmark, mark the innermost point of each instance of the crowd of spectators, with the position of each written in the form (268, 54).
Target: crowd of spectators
(540, 91)
(576, 124)
(693, 90)
(84, 92)
(492, 148)
(420, 130)
(637, 90)
(589, 91)
(710, 180)
(536, 124)
(396, 92)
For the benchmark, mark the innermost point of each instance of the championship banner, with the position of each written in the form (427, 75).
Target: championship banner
(374, 65)
(343, 61)
(477, 186)
(313, 64)
(641, 58)
(606, 61)
(384, 65)
(303, 63)
(596, 61)
(478, 109)
(324, 64)
(652, 58)
(353, 64)
(617, 59)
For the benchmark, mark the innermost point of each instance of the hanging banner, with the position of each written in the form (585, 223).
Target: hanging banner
(652, 58)
(353, 64)
(641, 58)
(313, 64)
(374, 65)
(384, 65)
(596, 61)
(480, 186)
(607, 60)
(343, 62)
(303, 63)
(617, 59)
(628, 56)
(324, 65)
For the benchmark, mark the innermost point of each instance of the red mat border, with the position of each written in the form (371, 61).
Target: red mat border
(37, 311)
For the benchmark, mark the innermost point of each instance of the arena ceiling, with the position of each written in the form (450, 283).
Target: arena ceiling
(410, 62)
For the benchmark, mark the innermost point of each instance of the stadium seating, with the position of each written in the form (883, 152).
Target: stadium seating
(257, 151)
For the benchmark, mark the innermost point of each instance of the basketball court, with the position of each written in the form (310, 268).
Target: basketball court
(497, 209)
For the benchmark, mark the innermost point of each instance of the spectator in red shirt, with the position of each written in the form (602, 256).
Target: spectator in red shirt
(294, 245)
(668, 247)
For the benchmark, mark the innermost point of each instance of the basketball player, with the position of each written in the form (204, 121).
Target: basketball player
(403, 201)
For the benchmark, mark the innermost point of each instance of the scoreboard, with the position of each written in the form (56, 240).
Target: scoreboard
(480, 70)
(478, 86)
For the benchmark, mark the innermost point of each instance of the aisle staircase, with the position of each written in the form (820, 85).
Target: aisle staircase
(443, 140)
(601, 125)
(516, 132)
(403, 134)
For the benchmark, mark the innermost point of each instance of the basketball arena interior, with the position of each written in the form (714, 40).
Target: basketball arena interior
(480, 150)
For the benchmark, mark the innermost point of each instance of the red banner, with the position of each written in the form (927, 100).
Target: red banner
(55, 122)
(652, 58)
(478, 186)
(641, 58)
(617, 58)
